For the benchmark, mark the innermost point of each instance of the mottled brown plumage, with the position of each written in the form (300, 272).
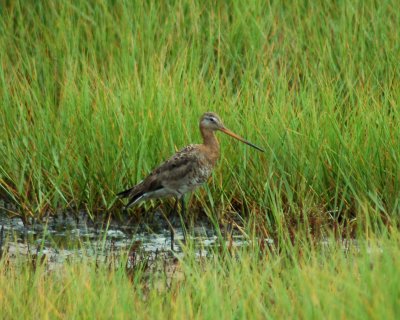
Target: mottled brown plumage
(187, 169)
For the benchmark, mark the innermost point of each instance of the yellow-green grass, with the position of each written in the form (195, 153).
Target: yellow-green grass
(330, 281)
(94, 94)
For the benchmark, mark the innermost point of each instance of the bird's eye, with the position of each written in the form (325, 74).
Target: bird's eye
(212, 119)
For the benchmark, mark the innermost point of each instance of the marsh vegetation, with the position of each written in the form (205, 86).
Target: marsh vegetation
(94, 94)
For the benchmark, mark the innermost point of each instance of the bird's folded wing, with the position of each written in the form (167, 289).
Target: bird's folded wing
(179, 167)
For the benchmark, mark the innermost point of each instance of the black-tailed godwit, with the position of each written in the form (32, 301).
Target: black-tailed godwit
(186, 170)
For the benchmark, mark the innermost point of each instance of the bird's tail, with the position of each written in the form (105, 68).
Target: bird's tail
(132, 193)
(135, 199)
(124, 194)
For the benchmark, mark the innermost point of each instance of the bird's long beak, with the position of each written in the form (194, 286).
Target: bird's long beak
(234, 135)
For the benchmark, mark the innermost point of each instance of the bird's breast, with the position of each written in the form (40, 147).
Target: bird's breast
(200, 173)
(196, 178)
(203, 173)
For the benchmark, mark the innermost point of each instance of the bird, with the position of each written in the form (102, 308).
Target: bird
(185, 171)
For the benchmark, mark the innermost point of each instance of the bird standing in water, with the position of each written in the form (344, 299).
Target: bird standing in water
(188, 169)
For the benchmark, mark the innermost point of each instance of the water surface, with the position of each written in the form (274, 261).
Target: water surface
(68, 237)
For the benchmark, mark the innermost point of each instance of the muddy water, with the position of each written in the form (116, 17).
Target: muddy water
(68, 238)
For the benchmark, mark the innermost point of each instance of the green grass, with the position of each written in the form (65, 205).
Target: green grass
(95, 94)
(301, 282)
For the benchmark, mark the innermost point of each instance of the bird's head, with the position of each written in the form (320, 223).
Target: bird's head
(211, 121)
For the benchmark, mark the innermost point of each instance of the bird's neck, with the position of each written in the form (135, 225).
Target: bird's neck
(209, 139)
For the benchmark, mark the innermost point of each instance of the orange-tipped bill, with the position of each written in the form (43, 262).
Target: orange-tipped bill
(230, 133)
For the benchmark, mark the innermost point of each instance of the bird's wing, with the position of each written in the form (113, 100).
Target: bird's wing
(179, 170)
(182, 164)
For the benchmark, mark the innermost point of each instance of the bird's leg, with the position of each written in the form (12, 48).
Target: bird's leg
(182, 216)
(171, 228)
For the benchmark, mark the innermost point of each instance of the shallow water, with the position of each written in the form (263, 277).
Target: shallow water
(66, 238)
